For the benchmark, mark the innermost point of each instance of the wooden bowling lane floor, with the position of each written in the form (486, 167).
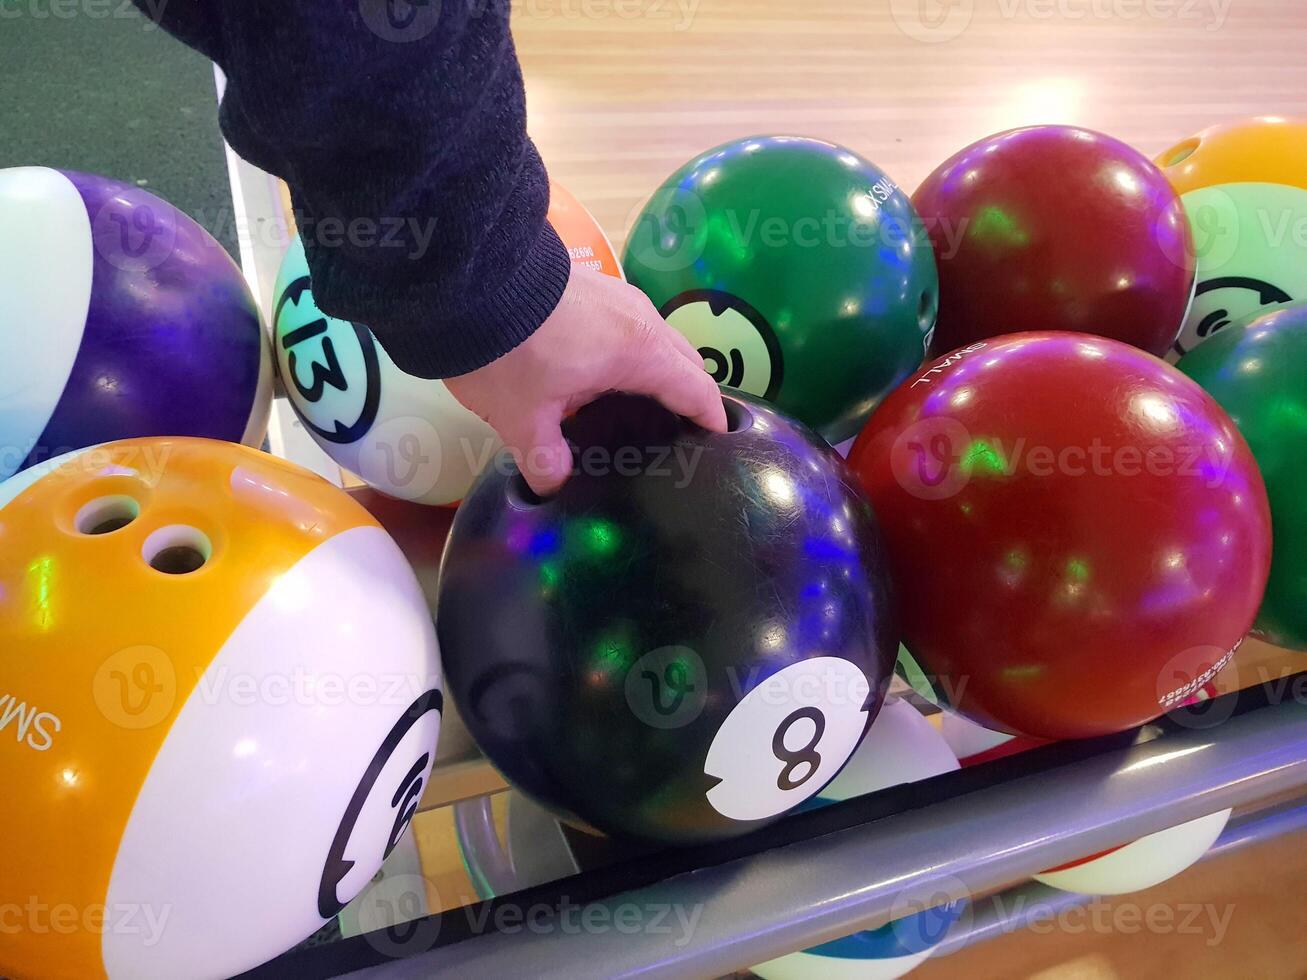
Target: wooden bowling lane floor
(621, 92)
(1236, 917)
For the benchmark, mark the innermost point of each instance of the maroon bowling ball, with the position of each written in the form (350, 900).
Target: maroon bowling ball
(1079, 536)
(1057, 228)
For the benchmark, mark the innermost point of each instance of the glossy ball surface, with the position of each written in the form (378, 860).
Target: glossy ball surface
(1258, 373)
(1079, 535)
(1056, 228)
(119, 317)
(1244, 188)
(219, 701)
(406, 436)
(797, 268)
(688, 640)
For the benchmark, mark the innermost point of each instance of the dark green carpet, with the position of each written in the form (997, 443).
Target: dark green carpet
(92, 85)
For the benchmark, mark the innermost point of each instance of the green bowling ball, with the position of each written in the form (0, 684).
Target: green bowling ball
(799, 271)
(1257, 370)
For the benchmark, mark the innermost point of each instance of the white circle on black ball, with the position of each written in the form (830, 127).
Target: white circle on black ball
(787, 738)
(667, 687)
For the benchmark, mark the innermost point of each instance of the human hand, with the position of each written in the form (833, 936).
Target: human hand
(604, 335)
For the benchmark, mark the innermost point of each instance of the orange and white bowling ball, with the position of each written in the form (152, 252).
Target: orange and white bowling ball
(406, 436)
(219, 703)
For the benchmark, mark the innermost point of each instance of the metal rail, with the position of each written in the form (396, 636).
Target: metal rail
(812, 891)
(1016, 908)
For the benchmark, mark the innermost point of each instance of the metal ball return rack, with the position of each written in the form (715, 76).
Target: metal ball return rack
(819, 875)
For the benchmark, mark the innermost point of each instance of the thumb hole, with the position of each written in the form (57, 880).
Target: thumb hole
(544, 459)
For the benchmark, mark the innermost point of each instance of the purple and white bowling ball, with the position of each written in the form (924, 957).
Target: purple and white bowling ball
(119, 317)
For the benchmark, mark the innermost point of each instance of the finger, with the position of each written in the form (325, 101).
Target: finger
(680, 386)
(683, 345)
(671, 334)
(542, 454)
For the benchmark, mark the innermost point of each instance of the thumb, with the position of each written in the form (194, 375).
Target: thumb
(542, 454)
(681, 386)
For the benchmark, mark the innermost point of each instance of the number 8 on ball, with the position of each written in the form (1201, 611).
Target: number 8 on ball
(787, 738)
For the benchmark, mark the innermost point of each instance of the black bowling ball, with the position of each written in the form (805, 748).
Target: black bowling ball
(686, 642)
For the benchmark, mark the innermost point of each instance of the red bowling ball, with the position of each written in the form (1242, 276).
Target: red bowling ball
(1079, 535)
(1057, 228)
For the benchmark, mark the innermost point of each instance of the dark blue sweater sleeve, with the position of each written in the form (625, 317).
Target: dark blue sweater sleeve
(400, 128)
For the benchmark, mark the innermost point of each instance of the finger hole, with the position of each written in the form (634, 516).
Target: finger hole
(520, 494)
(177, 550)
(105, 515)
(1180, 153)
(738, 416)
